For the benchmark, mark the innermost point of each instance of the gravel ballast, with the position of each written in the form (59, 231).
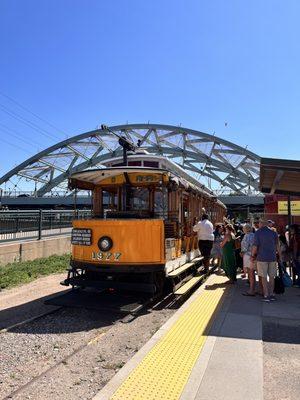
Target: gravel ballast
(53, 352)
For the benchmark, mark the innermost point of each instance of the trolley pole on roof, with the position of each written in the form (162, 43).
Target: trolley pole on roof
(126, 146)
(123, 142)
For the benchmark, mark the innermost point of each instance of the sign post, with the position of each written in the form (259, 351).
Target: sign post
(289, 211)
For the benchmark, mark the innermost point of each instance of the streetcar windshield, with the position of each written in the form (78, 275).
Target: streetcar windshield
(139, 198)
(131, 202)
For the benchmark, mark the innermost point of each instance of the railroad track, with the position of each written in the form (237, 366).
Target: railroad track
(53, 367)
(28, 320)
(161, 303)
(167, 299)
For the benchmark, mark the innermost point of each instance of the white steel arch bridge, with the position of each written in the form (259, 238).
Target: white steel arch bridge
(217, 163)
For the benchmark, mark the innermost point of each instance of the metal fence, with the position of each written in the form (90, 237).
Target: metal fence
(35, 224)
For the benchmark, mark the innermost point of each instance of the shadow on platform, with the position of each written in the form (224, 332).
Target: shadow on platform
(250, 318)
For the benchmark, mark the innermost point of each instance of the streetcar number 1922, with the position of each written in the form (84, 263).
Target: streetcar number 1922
(106, 256)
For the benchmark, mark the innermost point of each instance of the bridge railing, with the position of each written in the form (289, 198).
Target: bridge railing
(230, 192)
(82, 193)
(35, 224)
(33, 194)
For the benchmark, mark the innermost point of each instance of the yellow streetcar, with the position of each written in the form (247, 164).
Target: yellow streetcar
(140, 232)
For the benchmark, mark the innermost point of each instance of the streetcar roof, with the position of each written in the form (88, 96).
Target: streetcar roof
(94, 177)
(88, 179)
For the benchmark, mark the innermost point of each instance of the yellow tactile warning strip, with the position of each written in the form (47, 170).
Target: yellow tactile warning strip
(164, 371)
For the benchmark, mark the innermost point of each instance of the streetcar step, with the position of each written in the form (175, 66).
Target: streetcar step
(188, 286)
(181, 269)
(184, 267)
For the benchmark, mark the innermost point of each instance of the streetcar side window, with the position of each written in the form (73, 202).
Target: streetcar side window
(161, 203)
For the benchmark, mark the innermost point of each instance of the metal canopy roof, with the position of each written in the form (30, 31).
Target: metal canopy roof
(278, 176)
(211, 160)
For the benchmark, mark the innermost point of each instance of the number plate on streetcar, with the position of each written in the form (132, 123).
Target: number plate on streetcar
(81, 237)
(106, 256)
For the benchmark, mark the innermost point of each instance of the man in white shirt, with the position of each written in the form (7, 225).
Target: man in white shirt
(205, 232)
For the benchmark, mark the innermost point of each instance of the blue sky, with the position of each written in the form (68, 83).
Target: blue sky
(80, 63)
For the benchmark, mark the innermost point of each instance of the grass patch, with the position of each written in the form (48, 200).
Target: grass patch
(17, 273)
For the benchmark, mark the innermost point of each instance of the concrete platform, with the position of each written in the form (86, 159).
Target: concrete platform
(251, 350)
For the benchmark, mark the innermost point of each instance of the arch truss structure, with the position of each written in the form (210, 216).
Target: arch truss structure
(217, 163)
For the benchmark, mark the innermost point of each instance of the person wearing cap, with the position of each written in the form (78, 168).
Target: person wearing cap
(270, 223)
(264, 250)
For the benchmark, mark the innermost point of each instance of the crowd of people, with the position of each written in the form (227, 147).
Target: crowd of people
(256, 249)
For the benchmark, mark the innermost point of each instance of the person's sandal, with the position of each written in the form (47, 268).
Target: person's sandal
(248, 294)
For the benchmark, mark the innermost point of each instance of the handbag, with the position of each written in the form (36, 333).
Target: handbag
(278, 285)
(286, 279)
(278, 281)
(237, 243)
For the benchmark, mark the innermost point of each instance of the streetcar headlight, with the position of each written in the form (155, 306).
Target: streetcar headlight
(105, 243)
